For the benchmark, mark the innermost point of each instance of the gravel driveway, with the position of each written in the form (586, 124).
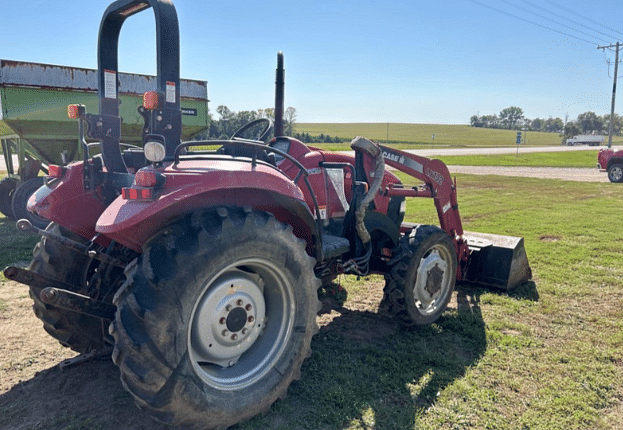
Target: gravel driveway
(586, 174)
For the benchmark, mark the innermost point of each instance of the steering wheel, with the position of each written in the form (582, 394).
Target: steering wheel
(268, 128)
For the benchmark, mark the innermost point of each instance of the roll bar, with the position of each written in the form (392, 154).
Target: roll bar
(106, 127)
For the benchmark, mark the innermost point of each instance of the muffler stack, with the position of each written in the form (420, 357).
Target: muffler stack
(497, 261)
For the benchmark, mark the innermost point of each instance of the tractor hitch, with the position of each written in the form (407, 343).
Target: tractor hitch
(60, 294)
(79, 303)
(26, 226)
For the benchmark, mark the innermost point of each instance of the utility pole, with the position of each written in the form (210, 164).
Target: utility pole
(614, 89)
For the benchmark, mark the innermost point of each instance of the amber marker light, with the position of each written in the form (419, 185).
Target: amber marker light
(150, 100)
(73, 111)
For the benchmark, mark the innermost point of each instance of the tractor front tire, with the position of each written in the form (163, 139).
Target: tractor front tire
(421, 279)
(79, 332)
(215, 318)
(615, 173)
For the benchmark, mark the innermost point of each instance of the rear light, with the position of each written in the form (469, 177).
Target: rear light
(146, 183)
(56, 171)
(150, 100)
(155, 151)
(145, 178)
(137, 193)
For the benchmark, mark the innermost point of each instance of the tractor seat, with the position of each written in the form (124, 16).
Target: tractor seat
(134, 158)
(246, 151)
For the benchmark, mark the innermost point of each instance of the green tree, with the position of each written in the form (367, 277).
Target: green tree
(617, 125)
(511, 116)
(475, 121)
(537, 124)
(266, 113)
(571, 129)
(289, 117)
(554, 125)
(589, 122)
(490, 121)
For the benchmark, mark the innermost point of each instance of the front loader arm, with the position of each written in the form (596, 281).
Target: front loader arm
(439, 186)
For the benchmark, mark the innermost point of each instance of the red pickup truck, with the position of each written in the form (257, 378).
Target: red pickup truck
(611, 161)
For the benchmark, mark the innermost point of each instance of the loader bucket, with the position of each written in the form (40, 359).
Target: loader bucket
(496, 261)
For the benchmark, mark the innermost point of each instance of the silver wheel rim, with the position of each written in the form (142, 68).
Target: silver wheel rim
(241, 324)
(433, 280)
(616, 173)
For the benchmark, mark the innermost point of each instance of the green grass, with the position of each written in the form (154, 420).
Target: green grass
(548, 355)
(420, 135)
(533, 159)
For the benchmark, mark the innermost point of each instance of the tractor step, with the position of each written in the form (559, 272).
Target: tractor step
(496, 261)
(334, 246)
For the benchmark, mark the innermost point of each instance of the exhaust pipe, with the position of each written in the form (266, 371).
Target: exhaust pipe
(279, 95)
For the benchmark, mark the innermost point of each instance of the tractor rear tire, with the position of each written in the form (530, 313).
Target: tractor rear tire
(7, 188)
(615, 173)
(215, 318)
(81, 333)
(20, 201)
(421, 279)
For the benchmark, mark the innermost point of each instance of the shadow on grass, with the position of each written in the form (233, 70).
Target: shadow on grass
(526, 291)
(367, 371)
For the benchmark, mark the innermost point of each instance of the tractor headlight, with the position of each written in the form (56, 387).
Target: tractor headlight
(154, 152)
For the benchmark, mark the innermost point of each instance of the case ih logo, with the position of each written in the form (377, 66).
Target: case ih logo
(394, 157)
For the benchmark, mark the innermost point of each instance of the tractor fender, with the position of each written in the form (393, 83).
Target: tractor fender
(131, 223)
(378, 222)
(66, 202)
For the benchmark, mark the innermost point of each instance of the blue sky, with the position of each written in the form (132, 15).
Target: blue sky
(355, 61)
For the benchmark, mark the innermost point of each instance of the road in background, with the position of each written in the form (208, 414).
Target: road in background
(579, 174)
(503, 150)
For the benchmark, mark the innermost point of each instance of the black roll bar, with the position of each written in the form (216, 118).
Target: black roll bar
(107, 126)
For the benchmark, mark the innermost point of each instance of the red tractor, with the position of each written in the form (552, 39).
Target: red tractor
(611, 161)
(199, 269)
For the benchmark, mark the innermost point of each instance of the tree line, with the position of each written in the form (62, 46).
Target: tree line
(230, 121)
(512, 118)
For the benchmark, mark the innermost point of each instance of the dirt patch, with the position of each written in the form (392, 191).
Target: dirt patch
(36, 394)
(549, 238)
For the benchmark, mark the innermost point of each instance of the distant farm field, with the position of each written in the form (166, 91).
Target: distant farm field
(422, 134)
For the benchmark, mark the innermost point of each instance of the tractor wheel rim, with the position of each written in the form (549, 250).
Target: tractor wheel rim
(241, 324)
(433, 280)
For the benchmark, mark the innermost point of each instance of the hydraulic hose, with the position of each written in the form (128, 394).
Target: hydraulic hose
(372, 149)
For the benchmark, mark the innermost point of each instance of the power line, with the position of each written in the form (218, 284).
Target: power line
(582, 16)
(568, 19)
(530, 22)
(551, 20)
